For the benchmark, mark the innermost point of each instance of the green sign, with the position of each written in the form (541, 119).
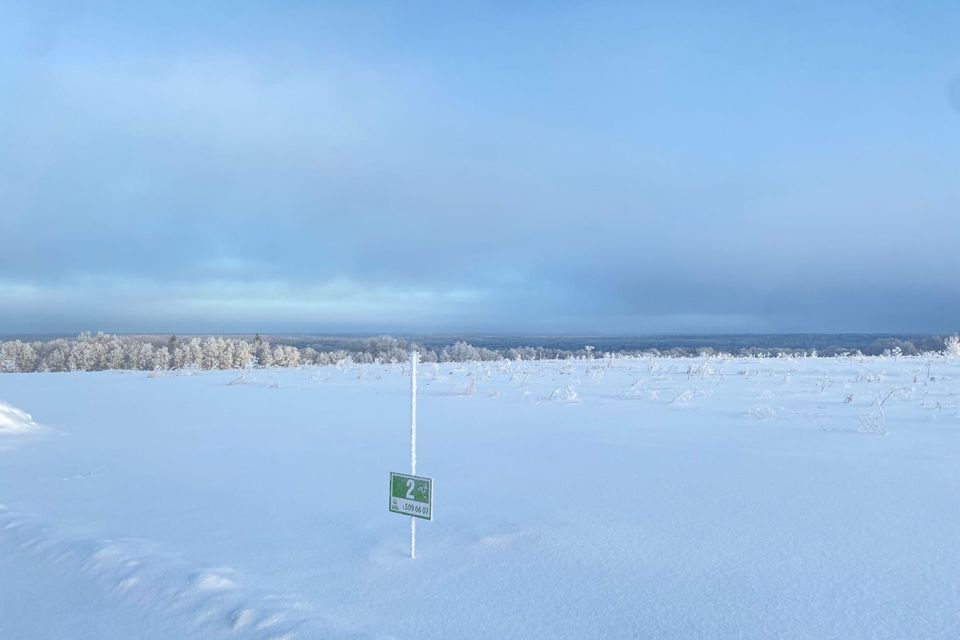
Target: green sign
(411, 495)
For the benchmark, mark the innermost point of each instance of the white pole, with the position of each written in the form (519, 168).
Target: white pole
(414, 357)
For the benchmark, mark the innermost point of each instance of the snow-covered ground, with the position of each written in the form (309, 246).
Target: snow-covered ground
(687, 498)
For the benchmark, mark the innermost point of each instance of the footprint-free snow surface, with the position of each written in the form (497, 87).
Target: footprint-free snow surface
(624, 498)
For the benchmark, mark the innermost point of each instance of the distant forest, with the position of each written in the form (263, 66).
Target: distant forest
(101, 352)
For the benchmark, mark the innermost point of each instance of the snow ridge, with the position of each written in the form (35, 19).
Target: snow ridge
(16, 426)
(14, 421)
(205, 601)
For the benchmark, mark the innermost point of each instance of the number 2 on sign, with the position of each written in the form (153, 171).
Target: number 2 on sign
(410, 486)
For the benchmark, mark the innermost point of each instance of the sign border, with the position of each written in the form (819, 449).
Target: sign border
(390, 494)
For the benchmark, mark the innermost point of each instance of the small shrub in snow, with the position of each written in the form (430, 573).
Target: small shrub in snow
(568, 394)
(639, 390)
(761, 412)
(240, 379)
(684, 397)
(636, 390)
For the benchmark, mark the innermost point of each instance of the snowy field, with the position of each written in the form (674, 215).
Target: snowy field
(645, 498)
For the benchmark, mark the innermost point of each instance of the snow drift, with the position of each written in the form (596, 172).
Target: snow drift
(14, 421)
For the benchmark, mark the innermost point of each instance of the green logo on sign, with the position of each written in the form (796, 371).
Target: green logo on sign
(411, 495)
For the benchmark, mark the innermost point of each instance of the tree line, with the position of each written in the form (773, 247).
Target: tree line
(101, 352)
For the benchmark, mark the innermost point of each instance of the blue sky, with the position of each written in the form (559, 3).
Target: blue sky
(505, 167)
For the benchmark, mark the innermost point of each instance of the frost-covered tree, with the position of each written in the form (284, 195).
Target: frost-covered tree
(952, 347)
(189, 354)
(17, 356)
(286, 356)
(459, 352)
(215, 354)
(262, 355)
(81, 356)
(161, 359)
(141, 357)
(308, 355)
(8, 361)
(241, 354)
(113, 352)
(56, 355)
